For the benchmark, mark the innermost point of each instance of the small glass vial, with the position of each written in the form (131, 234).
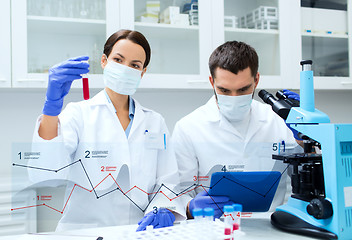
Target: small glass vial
(228, 215)
(237, 208)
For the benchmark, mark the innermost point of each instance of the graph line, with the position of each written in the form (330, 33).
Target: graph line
(118, 188)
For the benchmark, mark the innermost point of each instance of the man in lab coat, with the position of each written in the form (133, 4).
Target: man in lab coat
(231, 131)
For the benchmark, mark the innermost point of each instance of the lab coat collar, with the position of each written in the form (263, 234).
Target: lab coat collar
(138, 118)
(212, 107)
(139, 114)
(258, 117)
(216, 117)
(100, 99)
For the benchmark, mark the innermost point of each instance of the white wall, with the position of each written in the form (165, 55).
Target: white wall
(19, 109)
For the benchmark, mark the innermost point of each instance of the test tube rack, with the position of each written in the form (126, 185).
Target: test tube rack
(186, 230)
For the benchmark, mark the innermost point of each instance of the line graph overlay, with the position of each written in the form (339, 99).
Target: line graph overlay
(118, 188)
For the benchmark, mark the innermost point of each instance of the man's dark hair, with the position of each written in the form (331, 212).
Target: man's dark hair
(234, 56)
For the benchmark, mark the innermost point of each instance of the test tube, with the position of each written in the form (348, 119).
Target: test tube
(227, 233)
(208, 214)
(237, 208)
(197, 214)
(85, 86)
(228, 214)
(228, 220)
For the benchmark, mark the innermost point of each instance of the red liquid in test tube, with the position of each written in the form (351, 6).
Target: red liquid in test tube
(85, 88)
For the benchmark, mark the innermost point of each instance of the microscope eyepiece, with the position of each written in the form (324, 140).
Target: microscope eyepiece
(281, 106)
(280, 95)
(306, 65)
(304, 62)
(267, 97)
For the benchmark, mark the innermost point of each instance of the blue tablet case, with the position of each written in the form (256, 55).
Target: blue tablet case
(254, 190)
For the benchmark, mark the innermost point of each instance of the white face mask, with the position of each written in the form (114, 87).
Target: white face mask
(234, 108)
(121, 79)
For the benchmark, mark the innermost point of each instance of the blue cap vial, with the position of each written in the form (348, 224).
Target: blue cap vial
(228, 208)
(208, 211)
(197, 212)
(237, 207)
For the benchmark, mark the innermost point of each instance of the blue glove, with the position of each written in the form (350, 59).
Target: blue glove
(294, 131)
(203, 200)
(162, 218)
(291, 95)
(294, 96)
(61, 77)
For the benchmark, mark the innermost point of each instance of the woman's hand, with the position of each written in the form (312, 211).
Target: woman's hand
(61, 77)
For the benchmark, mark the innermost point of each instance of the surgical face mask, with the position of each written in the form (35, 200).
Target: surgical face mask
(121, 79)
(234, 108)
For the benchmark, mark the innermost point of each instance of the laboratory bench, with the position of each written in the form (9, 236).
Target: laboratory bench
(254, 227)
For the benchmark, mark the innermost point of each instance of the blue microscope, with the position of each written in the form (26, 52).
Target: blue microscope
(321, 201)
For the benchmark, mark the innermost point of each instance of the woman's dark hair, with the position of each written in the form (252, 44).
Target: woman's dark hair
(133, 36)
(234, 56)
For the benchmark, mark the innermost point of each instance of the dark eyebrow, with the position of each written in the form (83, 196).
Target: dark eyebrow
(137, 61)
(222, 88)
(120, 55)
(245, 87)
(132, 60)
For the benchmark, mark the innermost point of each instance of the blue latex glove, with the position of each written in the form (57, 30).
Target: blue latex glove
(203, 200)
(291, 95)
(295, 96)
(294, 131)
(162, 218)
(61, 77)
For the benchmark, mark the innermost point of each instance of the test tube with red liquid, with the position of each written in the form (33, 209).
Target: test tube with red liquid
(85, 86)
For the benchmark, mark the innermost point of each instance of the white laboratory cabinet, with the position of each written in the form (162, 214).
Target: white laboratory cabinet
(46, 32)
(5, 44)
(326, 38)
(267, 25)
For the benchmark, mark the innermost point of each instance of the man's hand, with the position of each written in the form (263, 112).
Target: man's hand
(203, 200)
(295, 96)
(159, 219)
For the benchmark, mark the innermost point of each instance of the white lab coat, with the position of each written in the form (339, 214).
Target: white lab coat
(90, 131)
(205, 141)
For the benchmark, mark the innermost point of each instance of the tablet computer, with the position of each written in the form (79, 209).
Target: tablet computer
(254, 190)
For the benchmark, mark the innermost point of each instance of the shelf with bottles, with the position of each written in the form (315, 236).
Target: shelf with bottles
(251, 31)
(251, 16)
(174, 14)
(167, 11)
(59, 47)
(65, 25)
(167, 31)
(326, 34)
(77, 9)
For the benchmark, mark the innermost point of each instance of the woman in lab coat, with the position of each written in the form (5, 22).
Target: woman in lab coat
(116, 150)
